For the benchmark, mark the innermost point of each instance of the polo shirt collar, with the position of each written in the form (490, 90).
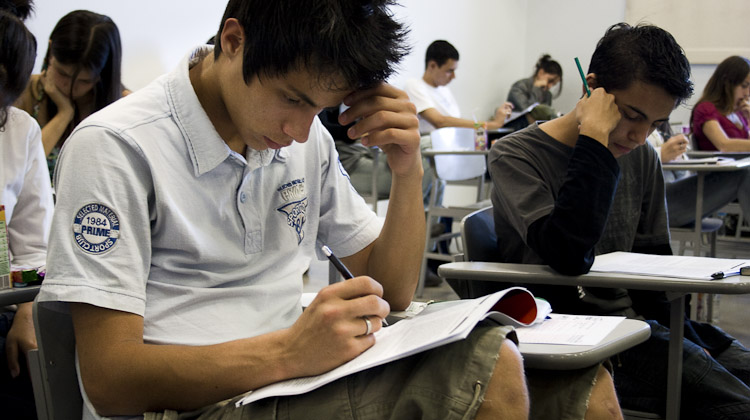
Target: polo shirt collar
(206, 147)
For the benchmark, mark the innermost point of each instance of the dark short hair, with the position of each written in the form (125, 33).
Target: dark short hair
(729, 74)
(643, 53)
(20, 8)
(356, 39)
(440, 52)
(90, 41)
(17, 55)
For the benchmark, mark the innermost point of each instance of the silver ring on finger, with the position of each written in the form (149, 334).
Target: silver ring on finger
(368, 324)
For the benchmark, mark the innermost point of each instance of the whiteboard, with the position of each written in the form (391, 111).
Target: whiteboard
(708, 31)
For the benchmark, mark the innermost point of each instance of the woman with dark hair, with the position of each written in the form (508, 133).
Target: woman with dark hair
(720, 118)
(537, 90)
(26, 197)
(19, 48)
(80, 75)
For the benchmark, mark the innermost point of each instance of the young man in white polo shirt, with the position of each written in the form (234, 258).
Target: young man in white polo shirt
(433, 98)
(186, 211)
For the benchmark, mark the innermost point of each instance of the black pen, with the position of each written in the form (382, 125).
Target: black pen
(342, 269)
(744, 271)
(337, 263)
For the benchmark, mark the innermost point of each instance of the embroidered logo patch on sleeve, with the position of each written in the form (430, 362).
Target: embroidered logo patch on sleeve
(96, 228)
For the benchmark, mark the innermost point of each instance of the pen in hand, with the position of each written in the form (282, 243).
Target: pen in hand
(337, 263)
(342, 269)
(583, 77)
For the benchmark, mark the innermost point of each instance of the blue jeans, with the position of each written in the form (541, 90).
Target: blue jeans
(713, 387)
(720, 188)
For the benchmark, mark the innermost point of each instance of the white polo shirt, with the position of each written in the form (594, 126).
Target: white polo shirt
(158, 217)
(425, 97)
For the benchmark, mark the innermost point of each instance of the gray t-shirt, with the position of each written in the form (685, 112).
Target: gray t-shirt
(528, 169)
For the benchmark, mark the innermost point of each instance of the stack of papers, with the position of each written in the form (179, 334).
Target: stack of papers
(701, 161)
(581, 330)
(700, 268)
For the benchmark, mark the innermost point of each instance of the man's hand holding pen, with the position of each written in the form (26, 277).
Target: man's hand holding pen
(337, 326)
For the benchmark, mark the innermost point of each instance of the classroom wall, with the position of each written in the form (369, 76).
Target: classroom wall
(155, 34)
(499, 40)
(490, 37)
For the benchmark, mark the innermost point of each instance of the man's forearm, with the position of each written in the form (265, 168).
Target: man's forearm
(565, 238)
(122, 375)
(397, 253)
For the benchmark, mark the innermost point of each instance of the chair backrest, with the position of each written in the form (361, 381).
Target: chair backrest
(480, 244)
(457, 167)
(53, 371)
(479, 238)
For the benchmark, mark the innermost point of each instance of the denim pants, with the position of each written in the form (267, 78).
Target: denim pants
(713, 386)
(720, 188)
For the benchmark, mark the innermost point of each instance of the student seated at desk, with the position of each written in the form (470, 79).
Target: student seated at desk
(720, 118)
(585, 184)
(537, 89)
(187, 214)
(720, 188)
(26, 194)
(436, 106)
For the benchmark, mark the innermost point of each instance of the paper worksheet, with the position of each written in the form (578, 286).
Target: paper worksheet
(679, 266)
(582, 330)
(701, 161)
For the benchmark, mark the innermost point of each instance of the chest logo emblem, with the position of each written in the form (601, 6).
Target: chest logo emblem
(296, 216)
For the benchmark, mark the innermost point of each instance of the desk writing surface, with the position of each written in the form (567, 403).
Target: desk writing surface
(543, 274)
(628, 333)
(714, 153)
(18, 295)
(709, 167)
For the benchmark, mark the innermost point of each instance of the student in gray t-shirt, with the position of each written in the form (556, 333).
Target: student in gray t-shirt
(586, 184)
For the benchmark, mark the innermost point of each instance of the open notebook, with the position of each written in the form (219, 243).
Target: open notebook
(429, 329)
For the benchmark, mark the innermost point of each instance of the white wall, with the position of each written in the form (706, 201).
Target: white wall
(568, 29)
(490, 38)
(499, 40)
(155, 34)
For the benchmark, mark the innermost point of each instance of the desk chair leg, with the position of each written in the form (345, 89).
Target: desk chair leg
(674, 364)
(431, 203)
(712, 243)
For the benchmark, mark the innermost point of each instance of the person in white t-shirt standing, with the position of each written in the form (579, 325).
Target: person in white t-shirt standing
(436, 106)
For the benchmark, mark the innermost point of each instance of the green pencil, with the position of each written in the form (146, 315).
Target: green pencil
(583, 77)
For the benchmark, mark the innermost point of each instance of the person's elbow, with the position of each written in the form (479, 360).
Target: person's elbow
(572, 267)
(101, 390)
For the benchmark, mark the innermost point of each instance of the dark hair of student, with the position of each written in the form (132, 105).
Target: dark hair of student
(89, 41)
(550, 66)
(356, 39)
(20, 8)
(719, 90)
(17, 55)
(440, 52)
(643, 53)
